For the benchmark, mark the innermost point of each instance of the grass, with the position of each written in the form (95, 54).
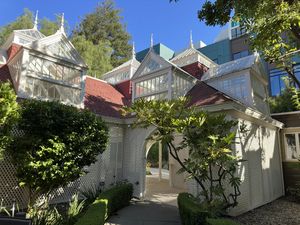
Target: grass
(220, 221)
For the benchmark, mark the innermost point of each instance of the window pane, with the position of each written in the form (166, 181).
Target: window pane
(291, 151)
(275, 85)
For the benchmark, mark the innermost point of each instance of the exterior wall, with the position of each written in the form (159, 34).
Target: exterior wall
(159, 49)
(239, 45)
(134, 161)
(261, 173)
(177, 180)
(220, 52)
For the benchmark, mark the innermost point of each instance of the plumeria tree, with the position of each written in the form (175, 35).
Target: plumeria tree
(208, 139)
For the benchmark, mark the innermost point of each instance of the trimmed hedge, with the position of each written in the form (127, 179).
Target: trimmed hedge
(190, 211)
(107, 202)
(117, 197)
(95, 214)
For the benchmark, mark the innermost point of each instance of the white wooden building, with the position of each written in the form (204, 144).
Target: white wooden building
(49, 68)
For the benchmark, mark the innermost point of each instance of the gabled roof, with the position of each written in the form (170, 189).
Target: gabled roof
(132, 62)
(203, 94)
(192, 51)
(58, 45)
(164, 64)
(22, 37)
(234, 66)
(32, 33)
(103, 99)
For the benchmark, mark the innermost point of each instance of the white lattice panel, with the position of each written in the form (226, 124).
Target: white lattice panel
(9, 188)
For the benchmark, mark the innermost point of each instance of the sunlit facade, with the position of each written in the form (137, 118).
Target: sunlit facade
(46, 68)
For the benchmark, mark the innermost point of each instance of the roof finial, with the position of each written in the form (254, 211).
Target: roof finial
(35, 24)
(133, 50)
(62, 23)
(191, 39)
(151, 41)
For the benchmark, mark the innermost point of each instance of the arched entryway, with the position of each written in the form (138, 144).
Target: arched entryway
(160, 174)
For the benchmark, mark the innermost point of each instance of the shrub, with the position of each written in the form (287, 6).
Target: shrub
(90, 194)
(9, 113)
(117, 197)
(220, 221)
(190, 210)
(58, 142)
(95, 214)
(108, 202)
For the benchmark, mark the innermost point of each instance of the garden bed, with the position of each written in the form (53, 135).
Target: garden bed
(283, 211)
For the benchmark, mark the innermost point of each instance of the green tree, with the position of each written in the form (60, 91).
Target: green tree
(97, 56)
(208, 139)
(104, 24)
(57, 142)
(287, 101)
(9, 113)
(25, 21)
(48, 27)
(274, 26)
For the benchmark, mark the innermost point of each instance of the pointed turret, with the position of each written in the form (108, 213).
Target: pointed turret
(151, 41)
(35, 24)
(133, 51)
(62, 24)
(191, 40)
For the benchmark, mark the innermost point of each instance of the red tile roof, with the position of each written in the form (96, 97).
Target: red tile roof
(103, 99)
(195, 69)
(4, 73)
(125, 88)
(13, 50)
(202, 94)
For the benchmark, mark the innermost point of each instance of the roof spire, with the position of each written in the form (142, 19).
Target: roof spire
(151, 41)
(62, 23)
(35, 24)
(191, 39)
(133, 50)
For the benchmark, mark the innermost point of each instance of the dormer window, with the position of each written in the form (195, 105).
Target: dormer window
(151, 66)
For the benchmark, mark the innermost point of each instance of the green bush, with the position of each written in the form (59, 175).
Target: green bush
(117, 197)
(219, 221)
(190, 210)
(108, 202)
(95, 214)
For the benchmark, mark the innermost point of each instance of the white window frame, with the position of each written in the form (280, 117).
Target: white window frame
(295, 132)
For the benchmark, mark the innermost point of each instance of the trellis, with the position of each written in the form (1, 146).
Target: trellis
(11, 192)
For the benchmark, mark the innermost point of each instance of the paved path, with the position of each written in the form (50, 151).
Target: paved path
(158, 208)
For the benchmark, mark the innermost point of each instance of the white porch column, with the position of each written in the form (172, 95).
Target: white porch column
(159, 160)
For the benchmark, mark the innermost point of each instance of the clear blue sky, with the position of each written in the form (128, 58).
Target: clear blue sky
(170, 23)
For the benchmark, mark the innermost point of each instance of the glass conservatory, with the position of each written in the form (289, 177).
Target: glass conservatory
(158, 79)
(48, 68)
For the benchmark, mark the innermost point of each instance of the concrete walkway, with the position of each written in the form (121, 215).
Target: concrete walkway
(158, 208)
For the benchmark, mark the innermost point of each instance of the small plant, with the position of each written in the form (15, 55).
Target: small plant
(75, 208)
(3, 208)
(42, 214)
(92, 193)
